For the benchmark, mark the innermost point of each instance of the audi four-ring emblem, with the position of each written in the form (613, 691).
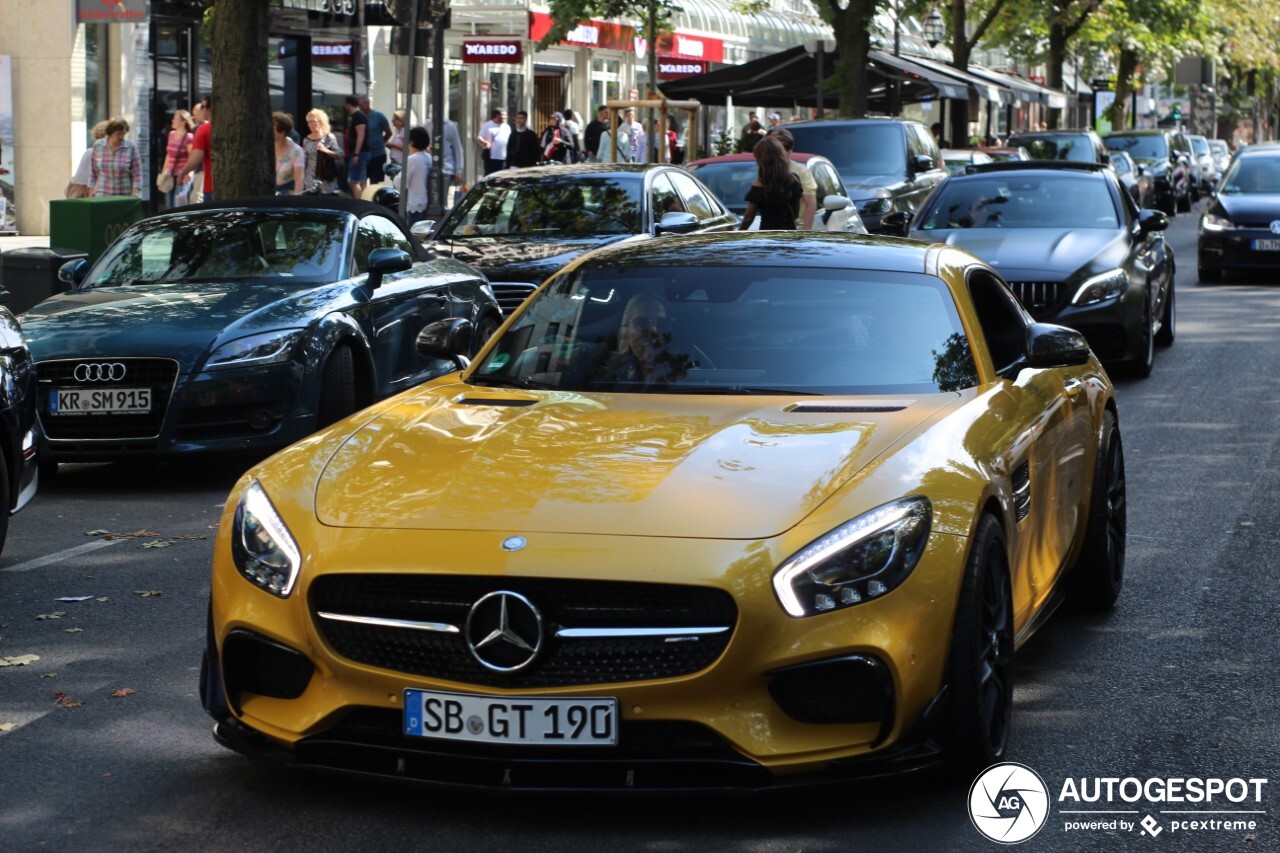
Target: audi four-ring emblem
(104, 372)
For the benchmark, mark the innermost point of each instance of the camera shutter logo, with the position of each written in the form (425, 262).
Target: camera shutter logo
(1008, 803)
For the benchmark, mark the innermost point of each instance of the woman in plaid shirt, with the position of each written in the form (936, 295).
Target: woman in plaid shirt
(117, 168)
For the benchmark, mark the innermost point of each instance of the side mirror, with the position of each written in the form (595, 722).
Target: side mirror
(1152, 220)
(898, 222)
(387, 260)
(835, 202)
(73, 272)
(448, 340)
(1142, 170)
(924, 163)
(423, 229)
(676, 222)
(1055, 346)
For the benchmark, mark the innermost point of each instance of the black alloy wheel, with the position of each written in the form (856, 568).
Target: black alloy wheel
(1168, 317)
(337, 387)
(1141, 367)
(1098, 575)
(980, 665)
(480, 336)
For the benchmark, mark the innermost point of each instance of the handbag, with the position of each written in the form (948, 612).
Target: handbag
(326, 167)
(164, 182)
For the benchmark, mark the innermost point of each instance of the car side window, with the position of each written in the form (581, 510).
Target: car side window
(695, 198)
(1004, 323)
(389, 234)
(367, 239)
(914, 148)
(665, 198)
(928, 145)
(827, 179)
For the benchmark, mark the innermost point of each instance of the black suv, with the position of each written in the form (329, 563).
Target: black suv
(1165, 155)
(888, 165)
(1081, 146)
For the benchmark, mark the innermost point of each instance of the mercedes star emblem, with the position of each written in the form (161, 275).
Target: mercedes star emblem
(504, 631)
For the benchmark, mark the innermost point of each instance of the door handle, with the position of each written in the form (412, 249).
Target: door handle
(1072, 387)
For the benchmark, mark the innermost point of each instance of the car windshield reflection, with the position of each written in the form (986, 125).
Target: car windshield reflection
(1140, 147)
(1015, 200)
(713, 330)
(1253, 175)
(557, 206)
(230, 245)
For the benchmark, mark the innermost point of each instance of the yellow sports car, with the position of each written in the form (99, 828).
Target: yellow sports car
(726, 511)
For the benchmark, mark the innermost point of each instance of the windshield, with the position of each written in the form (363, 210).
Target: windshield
(1199, 144)
(1154, 147)
(729, 181)
(560, 206)
(859, 149)
(1016, 200)
(288, 246)
(1079, 148)
(1218, 147)
(734, 330)
(1253, 175)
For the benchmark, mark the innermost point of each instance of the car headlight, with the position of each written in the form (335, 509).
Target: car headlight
(1213, 222)
(1108, 285)
(263, 348)
(860, 560)
(261, 546)
(875, 207)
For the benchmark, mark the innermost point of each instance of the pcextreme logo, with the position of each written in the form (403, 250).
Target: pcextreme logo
(1009, 803)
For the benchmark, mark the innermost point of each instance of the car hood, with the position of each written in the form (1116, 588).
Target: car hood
(519, 258)
(460, 458)
(869, 186)
(1248, 208)
(1035, 254)
(180, 321)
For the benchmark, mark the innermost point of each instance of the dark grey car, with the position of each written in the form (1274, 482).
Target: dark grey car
(889, 166)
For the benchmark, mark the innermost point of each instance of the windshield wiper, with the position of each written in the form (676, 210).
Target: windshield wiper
(489, 381)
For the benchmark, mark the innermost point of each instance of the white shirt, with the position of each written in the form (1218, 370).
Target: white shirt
(635, 132)
(496, 135)
(418, 170)
(84, 172)
(606, 147)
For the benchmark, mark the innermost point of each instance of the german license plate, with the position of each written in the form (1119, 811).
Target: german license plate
(511, 719)
(109, 401)
(1266, 245)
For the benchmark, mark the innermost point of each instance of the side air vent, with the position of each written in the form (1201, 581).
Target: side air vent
(1022, 491)
(494, 401)
(830, 408)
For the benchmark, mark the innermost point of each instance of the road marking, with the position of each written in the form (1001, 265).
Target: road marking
(59, 556)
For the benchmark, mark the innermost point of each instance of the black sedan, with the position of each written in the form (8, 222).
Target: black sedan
(1240, 228)
(519, 226)
(1134, 178)
(1073, 247)
(239, 326)
(18, 472)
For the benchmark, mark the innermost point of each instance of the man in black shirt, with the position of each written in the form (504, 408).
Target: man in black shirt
(523, 148)
(591, 136)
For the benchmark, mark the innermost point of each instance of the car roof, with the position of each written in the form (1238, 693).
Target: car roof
(1042, 134)
(1141, 131)
(816, 249)
(1260, 148)
(837, 122)
(1036, 166)
(743, 158)
(628, 169)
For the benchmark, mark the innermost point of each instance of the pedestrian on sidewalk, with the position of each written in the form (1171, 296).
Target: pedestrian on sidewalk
(177, 150)
(523, 148)
(493, 138)
(417, 172)
(81, 183)
(117, 166)
(377, 134)
(291, 161)
(357, 147)
(201, 158)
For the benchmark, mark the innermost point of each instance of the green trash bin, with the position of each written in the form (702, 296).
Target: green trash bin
(91, 224)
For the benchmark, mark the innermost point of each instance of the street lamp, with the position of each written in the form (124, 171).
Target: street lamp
(934, 29)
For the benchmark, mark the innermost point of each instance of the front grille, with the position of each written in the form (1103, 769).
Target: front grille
(564, 604)
(158, 374)
(511, 294)
(1042, 299)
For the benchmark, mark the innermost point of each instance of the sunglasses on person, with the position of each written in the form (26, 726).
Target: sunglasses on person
(644, 324)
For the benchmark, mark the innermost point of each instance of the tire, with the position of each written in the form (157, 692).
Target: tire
(4, 491)
(1141, 367)
(1169, 318)
(1207, 273)
(1098, 574)
(980, 663)
(483, 331)
(337, 387)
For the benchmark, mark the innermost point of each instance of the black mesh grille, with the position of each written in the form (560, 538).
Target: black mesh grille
(511, 293)
(1042, 299)
(563, 603)
(158, 374)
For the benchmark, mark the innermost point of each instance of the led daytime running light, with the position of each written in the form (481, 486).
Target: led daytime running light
(253, 557)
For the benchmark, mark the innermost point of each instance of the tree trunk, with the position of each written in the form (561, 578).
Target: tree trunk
(1058, 37)
(651, 33)
(852, 28)
(1125, 71)
(958, 135)
(243, 144)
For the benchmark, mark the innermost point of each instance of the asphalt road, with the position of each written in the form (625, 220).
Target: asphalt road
(1179, 681)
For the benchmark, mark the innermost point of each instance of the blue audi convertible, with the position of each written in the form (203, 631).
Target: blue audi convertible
(240, 326)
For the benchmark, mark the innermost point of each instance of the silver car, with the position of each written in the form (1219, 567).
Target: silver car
(1210, 174)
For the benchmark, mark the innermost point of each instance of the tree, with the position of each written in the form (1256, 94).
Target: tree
(242, 141)
(962, 44)
(852, 25)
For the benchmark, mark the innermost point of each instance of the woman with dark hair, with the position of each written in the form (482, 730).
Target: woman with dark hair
(291, 160)
(417, 171)
(751, 134)
(776, 192)
(117, 166)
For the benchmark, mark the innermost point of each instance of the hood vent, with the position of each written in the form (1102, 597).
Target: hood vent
(494, 401)
(837, 409)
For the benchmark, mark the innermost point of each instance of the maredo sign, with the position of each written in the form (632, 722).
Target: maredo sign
(506, 51)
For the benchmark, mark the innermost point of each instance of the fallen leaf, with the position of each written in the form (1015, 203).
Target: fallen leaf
(159, 543)
(108, 773)
(147, 593)
(1251, 837)
(104, 598)
(73, 630)
(188, 538)
(137, 534)
(96, 532)
(1246, 524)
(62, 700)
(48, 675)
(74, 598)
(19, 660)
(8, 727)
(123, 691)
(57, 614)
